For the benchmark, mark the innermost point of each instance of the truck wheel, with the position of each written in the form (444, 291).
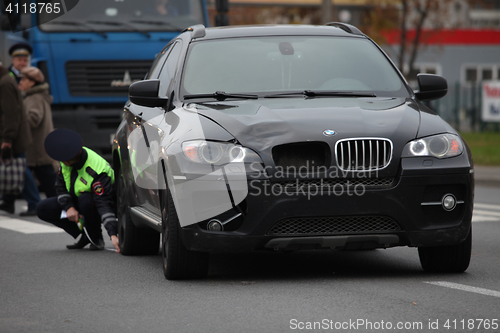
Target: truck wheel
(446, 259)
(178, 262)
(133, 240)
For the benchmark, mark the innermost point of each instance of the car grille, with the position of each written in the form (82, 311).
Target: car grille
(333, 184)
(104, 78)
(310, 155)
(333, 225)
(363, 154)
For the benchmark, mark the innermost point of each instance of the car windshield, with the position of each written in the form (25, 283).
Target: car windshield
(307, 65)
(125, 15)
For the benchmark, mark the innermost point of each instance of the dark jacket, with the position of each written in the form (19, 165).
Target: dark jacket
(103, 199)
(14, 127)
(37, 106)
(14, 73)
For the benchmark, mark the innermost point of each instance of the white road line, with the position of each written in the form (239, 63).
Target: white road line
(486, 212)
(464, 287)
(26, 227)
(482, 218)
(486, 206)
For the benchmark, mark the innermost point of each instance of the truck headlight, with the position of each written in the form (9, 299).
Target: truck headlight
(440, 146)
(218, 153)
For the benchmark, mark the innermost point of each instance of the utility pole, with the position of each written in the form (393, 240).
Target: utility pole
(326, 8)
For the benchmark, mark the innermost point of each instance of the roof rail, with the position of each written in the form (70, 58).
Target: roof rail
(198, 30)
(346, 27)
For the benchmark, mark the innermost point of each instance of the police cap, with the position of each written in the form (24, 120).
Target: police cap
(63, 144)
(20, 49)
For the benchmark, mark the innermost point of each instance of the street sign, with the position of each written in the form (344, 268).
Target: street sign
(491, 101)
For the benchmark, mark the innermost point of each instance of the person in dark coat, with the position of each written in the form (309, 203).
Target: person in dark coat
(15, 135)
(85, 189)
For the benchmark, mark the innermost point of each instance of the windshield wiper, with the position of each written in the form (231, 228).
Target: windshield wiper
(123, 24)
(151, 22)
(221, 95)
(312, 93)
(78, 23)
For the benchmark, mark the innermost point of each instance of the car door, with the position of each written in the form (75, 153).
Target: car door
(146, 133)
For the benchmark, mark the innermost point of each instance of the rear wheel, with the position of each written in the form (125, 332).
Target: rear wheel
(133, 240)
(447, 259)
(178, 262)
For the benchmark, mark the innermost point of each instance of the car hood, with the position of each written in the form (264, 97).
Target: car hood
(265, 123)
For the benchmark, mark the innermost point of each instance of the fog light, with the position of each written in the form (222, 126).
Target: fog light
(449, 202)
(215, 225)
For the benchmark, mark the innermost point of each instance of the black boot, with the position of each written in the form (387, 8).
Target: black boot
(80, 244)
(9, 207)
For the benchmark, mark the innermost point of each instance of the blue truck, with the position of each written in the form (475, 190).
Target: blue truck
(92, 50)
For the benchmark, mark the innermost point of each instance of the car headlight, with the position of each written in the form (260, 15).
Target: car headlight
(218, 153)
(440, 146)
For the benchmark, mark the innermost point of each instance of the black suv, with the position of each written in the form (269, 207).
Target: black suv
(288, 138)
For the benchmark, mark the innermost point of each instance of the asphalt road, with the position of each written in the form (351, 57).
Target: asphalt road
(46, 288)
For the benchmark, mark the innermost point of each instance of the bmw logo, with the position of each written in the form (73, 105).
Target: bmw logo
(329, 132)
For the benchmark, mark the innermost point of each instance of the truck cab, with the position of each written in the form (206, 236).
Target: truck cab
(91, 51)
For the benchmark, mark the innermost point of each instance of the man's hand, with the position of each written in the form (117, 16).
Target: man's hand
(72, 214)
(116, 243)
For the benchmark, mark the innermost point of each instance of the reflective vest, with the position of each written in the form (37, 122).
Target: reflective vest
(94, 164)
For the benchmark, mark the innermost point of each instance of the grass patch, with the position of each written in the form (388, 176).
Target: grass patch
(485, 147)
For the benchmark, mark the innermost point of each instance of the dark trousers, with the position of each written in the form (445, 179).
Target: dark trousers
(47, 178)
(49, 210)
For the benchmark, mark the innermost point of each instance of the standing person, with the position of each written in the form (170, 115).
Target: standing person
(15, 135)
(84, 187)
(20, 54)
(37, 106)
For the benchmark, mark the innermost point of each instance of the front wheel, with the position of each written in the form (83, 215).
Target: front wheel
(178, 262)
(446, 259)
(133, 240)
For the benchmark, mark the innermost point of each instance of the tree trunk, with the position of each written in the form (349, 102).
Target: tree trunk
(418, 32)
(326, 8)
(402, 46)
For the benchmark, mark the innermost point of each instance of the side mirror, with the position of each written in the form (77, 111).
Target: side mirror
(431, 87)
(145, 93)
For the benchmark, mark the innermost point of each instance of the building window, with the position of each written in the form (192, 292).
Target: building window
(470, 75)
(487, 74)
(480, 72)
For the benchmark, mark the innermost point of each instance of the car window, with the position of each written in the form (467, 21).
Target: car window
(158, 63)
(169, 68)
(289, 63)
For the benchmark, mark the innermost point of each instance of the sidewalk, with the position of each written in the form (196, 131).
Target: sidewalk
(487, 175)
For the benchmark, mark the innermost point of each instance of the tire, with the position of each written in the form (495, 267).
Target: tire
(179, 263)
(133, 240)
(446, 259)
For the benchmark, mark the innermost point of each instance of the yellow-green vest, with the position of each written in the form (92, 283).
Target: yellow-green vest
(84, 180)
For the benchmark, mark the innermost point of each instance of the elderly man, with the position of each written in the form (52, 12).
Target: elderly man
(37, 102)
(20, 54)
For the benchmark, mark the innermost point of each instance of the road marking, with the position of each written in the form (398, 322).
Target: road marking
(486, 213)
(26, 227)
(464, 287)
(482, 218)
(487, 206)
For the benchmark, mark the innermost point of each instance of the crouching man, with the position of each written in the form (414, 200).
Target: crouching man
(84, 188)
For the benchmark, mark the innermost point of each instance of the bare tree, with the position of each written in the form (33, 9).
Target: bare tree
(411, 19)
